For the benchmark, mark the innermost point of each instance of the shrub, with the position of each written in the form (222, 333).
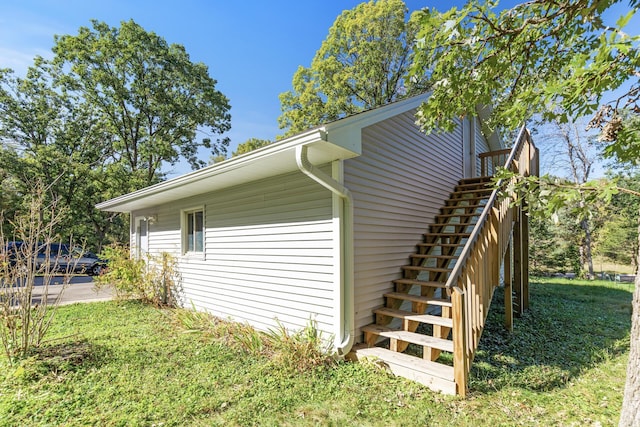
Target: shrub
(155, 280)
(27, 307)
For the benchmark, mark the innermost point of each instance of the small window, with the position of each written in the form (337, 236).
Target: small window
(193, 231)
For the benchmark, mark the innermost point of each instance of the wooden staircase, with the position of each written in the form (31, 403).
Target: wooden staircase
(429, 326)
(419, 312)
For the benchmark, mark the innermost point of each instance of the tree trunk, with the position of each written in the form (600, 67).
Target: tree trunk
(588, 258)
(630, 415)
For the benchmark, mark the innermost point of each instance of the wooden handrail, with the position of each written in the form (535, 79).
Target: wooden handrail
(466, 251)
(494, 153)
(496, 157)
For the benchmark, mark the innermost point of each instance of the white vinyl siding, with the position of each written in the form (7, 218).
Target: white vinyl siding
(398, 183)
(270, 248)
(268, 252)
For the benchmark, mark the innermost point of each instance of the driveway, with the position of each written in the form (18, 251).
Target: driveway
(79, 290)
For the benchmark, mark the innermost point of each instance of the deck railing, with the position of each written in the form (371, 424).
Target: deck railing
(477, 271)
(490, 161)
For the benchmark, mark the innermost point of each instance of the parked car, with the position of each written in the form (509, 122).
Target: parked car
(9, 253)
(61, 257)
(58, 257)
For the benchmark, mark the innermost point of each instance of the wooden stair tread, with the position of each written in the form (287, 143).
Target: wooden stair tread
(415, 317)
(420, 283)
(480, 185)
(451, 207)
(434, 375)
(433, 256)
(453, 215)
(430, 269)
(475, 201)
(447, 234)
(474, 191)
(448, 245)
(419, 298)
(476, 179)
(410, 337)
(460, 228)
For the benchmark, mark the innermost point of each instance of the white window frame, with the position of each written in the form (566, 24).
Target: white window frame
(184, 227)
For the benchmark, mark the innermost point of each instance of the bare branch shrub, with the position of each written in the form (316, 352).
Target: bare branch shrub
(28, 268)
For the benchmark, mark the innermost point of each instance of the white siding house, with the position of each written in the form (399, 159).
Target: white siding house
(313, 226)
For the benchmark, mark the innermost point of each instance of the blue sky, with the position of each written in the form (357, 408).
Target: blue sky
(252, 48)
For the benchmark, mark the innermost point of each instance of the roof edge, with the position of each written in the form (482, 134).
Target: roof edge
(313, 135)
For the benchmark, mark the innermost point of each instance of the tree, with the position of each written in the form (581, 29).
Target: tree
(10, 198)
(213, 159)
(58, 139)
(246, 147)
(617, 240)
(100, 119)
(557, 59)
(573, 151)
(553, 247)
(250, 145)
(150, 94)
(360, 65)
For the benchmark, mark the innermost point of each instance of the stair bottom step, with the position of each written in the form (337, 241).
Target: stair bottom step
(410, 337)
(434, 375)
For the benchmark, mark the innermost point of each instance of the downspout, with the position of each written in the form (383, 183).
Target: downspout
(344, 336)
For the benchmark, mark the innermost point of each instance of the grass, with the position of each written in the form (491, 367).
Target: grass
(124, 363)
(602, 264)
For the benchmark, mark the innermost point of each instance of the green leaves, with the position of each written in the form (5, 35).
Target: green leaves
(361, 64)
(150, 93)
(250, 145)
(101, 118)
(626, 138)
(540, 57)
(624, 20)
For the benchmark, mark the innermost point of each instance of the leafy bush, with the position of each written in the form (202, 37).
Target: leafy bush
(155, 280)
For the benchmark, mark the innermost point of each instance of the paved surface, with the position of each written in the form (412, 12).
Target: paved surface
(79, 290)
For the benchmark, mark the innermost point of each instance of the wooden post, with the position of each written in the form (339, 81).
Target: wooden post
(508, 290)
(439, 331)
(460, 358)
(517, 262)
(525, 261)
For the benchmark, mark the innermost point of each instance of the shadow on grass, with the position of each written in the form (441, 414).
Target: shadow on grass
(569, 327)
(59, 360)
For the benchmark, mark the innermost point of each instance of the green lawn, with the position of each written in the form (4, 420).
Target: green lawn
(129, 364)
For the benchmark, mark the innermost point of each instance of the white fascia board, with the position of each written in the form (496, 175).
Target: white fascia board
(274, 159)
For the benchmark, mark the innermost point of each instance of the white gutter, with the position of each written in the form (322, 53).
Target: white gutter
(344, 328)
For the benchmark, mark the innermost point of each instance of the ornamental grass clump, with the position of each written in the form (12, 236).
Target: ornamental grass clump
(300, 350)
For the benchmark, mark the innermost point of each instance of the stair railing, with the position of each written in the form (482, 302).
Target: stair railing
(477, 271)
(490, 160)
